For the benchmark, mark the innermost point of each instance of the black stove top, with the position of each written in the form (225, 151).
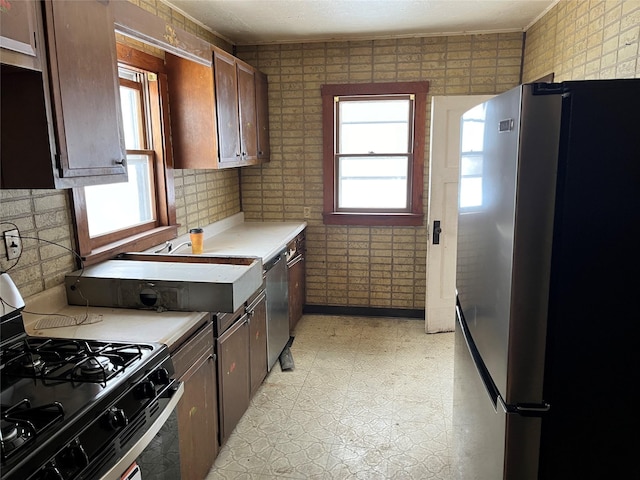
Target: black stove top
(52, 389)
(62, 360)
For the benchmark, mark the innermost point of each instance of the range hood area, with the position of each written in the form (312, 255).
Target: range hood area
(184, 283)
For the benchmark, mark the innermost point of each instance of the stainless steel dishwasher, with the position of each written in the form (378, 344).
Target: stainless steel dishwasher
(277, 288)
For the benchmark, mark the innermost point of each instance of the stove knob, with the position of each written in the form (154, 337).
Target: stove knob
(146, 389)
(161, 376)
(50, 473)
(74, 457)
(115, 418)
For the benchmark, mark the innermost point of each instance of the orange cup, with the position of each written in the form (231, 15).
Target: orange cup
(197, 240)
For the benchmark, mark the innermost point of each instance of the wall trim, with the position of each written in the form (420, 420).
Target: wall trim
(364, 311)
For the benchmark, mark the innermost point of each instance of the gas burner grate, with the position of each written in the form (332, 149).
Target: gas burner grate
(76, 361)
(21, 423)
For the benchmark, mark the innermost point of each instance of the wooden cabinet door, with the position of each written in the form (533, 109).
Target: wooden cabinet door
(193, 113)
(197, 410)
(85, 90)
(257, 312)
(233, 376)
(18, 34)
(226, 92)
(262, 107)
(247, 111)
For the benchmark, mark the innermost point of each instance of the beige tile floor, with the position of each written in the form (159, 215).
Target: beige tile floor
(369, 398)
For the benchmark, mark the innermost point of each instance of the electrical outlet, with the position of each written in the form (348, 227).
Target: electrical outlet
(306, 212)
(13, 242)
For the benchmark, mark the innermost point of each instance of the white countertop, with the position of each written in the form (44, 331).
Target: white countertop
(235, 237)
(118, 324)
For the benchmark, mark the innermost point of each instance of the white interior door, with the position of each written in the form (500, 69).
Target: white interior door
(443, 208)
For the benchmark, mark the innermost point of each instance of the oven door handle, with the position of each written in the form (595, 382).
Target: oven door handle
(115, 473)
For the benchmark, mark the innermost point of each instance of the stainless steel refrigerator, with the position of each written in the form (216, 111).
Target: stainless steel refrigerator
(546, 362)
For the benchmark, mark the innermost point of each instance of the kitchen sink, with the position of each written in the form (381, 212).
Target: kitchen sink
(193, 283)
(187, 258)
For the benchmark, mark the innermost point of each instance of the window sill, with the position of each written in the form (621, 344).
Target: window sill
(135, 243)
(374, 219)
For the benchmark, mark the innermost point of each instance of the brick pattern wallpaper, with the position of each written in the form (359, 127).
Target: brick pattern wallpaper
(43, 214)
(205, 196)
(580, 39)
(358, 266)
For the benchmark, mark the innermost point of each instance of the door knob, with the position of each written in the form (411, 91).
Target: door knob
(437, 230)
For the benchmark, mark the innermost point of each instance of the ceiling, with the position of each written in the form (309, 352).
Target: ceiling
(250, 22)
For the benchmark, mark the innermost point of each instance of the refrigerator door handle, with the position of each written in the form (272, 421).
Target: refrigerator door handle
(522, 409)
(485, 376)
(525, 409)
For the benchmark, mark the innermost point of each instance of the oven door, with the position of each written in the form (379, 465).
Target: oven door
(160, 439)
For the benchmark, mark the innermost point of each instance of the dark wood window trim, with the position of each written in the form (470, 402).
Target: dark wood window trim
(330, 214)
(165, 227)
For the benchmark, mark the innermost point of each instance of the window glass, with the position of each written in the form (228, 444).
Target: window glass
(373, 182)
(131, 101)
(470, 192)
(374, 126)
(471, 159)
(117, 206)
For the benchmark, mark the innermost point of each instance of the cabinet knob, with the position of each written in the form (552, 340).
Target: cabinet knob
(122, 162)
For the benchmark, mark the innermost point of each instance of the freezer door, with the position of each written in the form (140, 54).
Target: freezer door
(504, 239)
(478, 428)
(488, 443)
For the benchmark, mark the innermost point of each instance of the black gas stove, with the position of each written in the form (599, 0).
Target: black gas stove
(72, 409)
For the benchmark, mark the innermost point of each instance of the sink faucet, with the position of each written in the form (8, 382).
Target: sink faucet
(168, 246)
(175, 249)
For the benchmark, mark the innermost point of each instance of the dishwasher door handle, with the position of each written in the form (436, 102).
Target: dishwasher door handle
(272, 263)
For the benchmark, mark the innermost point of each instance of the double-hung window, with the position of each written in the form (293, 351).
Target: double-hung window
(139, 213)
(374, 153)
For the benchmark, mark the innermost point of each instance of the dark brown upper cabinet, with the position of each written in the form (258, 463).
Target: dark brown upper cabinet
(19, 35)
(235, 92)
(216, 120)
(62, 127)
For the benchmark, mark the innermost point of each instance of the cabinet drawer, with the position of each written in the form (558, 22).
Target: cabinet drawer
(193, 349)
(223, 321)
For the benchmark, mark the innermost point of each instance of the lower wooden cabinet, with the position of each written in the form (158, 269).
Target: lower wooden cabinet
(197, 410)
(232, 347)
(241, 347)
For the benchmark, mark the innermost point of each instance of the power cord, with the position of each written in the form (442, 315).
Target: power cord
(76, 321)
